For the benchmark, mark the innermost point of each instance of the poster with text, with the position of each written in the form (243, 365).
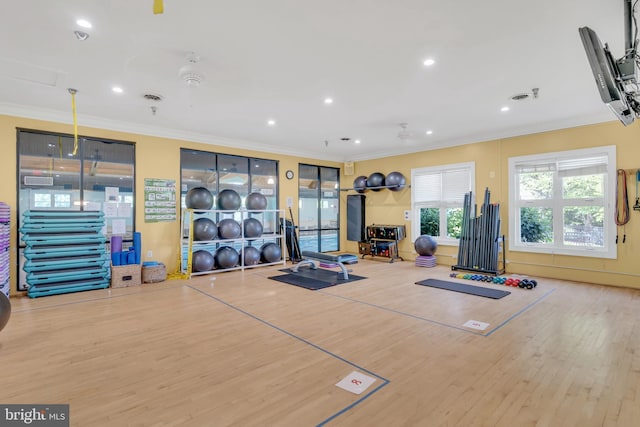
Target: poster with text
(159, 200)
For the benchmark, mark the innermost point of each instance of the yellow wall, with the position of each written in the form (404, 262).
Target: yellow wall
(491, 160)
(159, 158)
(155, 158)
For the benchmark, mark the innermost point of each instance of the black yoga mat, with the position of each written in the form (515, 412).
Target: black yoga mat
(314, 279)
(465, 289)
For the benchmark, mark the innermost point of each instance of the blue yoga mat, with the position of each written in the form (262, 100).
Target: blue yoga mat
(137, 245)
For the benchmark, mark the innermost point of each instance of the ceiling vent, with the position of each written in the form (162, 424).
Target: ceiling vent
(523, 96)
(152, 97)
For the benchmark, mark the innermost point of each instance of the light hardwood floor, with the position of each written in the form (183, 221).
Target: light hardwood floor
(239, 349)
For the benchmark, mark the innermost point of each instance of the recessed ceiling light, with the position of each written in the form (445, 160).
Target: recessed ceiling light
(504, 109)
(117, 89)
(429, 132)
(429, 62)
(271, 122)
(84, 23)
(328, 100)
(357, 141)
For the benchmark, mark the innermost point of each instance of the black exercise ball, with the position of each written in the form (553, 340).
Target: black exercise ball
(252, 228)
(226, 257)
(395, 181)
(270, 252)
(256, 202)
(376, 179)
(360, 184)
(199, 198)
(251, 256)
(202, 261)
(204, 229)
(5, 310)
(229, 200)
(425, 245)
(229, 228)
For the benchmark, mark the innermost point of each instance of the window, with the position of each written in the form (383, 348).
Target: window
(562, 202)
(56, 176)
(319, 208)
(244, 175)
(437, 195)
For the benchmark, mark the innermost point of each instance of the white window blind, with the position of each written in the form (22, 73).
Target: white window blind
(447, 186)
(567, 167)
(584, 166)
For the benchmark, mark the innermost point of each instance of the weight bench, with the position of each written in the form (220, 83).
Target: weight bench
(310, 258)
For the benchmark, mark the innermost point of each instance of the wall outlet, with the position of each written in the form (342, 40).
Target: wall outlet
(289, 202)
(407, 215)
(149, 254)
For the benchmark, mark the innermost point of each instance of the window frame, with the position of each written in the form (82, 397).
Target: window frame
(557, 203)
(442, 239)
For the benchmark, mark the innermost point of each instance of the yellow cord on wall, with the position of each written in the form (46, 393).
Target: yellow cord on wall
(75, 120)
(158, 7)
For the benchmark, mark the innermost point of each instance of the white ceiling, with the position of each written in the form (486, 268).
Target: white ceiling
(279, 59)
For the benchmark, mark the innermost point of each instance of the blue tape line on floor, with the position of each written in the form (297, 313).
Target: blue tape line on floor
(317, 347)
(435, 322)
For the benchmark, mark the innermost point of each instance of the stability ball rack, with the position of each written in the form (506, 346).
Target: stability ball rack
(189, 245)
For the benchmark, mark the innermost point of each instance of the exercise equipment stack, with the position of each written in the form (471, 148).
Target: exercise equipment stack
(480, 239)
(377, 181)
(506, 281)
(5, 227)
(229, 237)
(425, 247)
(65, 252)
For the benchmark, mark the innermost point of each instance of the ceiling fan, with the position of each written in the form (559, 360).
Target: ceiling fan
(404, 134)
(190, 73)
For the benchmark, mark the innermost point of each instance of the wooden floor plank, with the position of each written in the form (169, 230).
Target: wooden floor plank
(238, 349)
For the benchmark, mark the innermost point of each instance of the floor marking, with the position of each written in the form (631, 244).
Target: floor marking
(356, 382)
(518, 313)
(317, 347)
(435, 322)
(474, 324)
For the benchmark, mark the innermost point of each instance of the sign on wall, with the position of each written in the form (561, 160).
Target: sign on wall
(159, 200)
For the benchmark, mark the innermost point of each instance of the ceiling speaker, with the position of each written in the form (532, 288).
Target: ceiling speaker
(349, 169)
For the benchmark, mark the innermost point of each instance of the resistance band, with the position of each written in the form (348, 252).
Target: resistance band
(636, 207)
(622, 202)
(75, 120)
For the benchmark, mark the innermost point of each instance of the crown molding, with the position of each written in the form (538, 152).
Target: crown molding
(64, 117)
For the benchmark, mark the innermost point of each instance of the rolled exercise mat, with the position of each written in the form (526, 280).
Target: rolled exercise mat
(137, 244)
(116, 248)
(131, 256)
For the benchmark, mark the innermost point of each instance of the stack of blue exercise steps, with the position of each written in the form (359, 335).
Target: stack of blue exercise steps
(65, 252)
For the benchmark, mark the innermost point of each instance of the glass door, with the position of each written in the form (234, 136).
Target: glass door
(319, 208)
